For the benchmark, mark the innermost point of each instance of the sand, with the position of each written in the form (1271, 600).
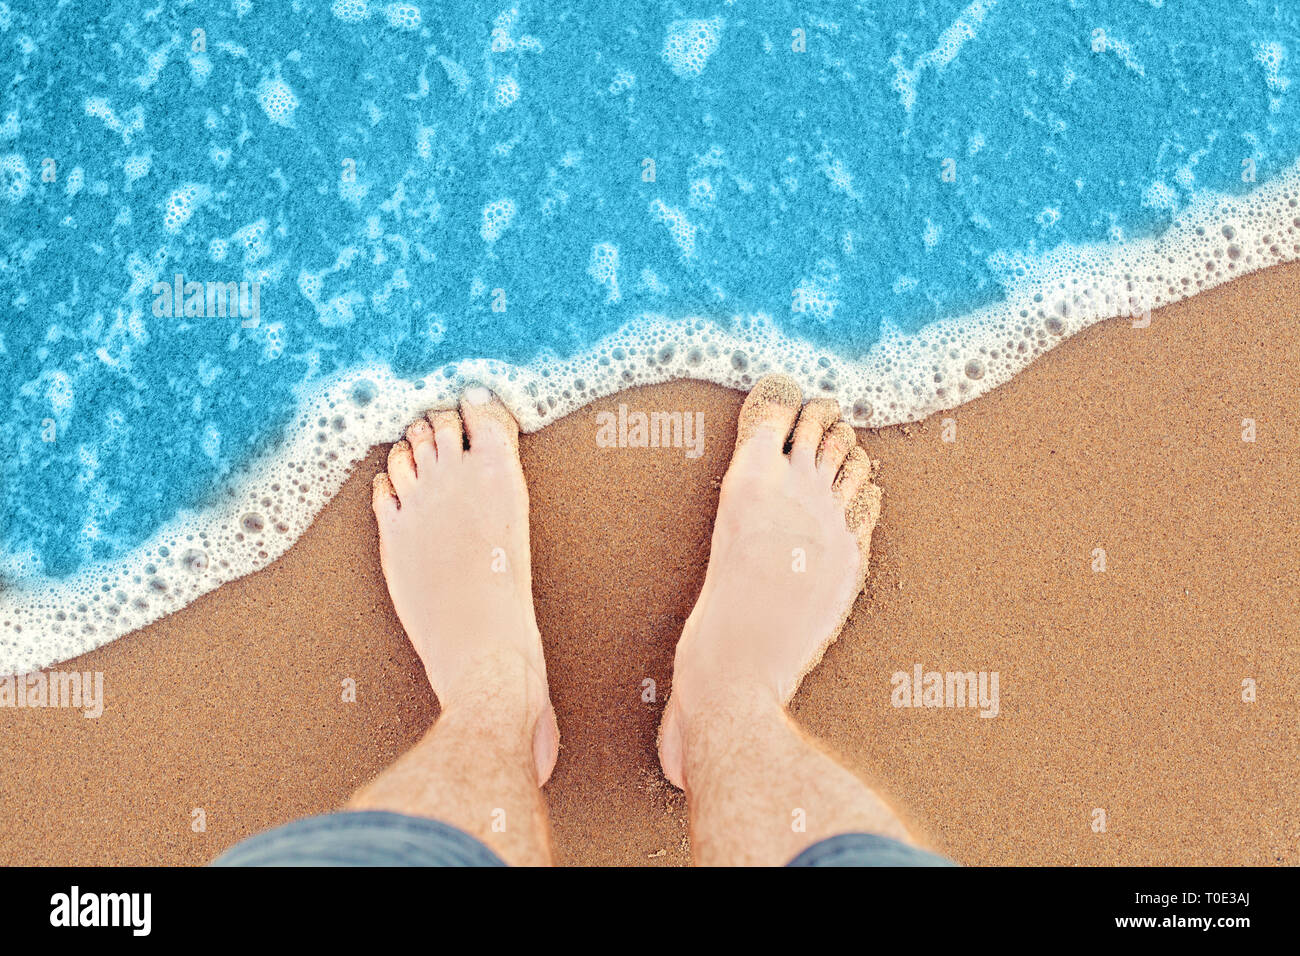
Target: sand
(1120, 690)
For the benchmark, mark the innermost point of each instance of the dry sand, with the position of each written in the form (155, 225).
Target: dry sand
(1119, 690)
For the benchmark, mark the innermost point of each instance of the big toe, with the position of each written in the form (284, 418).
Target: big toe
(488, 423)
(768, 414)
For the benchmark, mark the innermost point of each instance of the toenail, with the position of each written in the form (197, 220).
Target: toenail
(477, 395)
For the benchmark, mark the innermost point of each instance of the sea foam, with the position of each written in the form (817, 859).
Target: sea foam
(903, 378)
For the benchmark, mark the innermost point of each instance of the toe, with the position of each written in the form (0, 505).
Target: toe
(839, 441)
(419, 435)
(817, 416)
(769, 412)
(401, 468)
(448, 434)
(855, 490)
(383, 497)
(862, 514)
(488, 422)
(853, 474)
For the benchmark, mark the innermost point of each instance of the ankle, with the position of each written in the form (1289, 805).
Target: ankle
(501, 687)
(720, 723)
(728, 702)
(707, 677)
(500, 730)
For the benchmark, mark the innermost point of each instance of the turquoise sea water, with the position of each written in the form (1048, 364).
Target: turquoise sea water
(415, 185)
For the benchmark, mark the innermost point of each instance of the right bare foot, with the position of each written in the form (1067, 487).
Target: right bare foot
(453, 542)
(789, 557)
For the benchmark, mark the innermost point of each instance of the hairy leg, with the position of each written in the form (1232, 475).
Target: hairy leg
(789, 557)
(453, 530)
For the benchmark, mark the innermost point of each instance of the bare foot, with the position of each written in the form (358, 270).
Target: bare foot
(453, 541)
(789, 557)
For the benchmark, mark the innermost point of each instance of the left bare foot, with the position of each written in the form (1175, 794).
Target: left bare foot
(789, 557)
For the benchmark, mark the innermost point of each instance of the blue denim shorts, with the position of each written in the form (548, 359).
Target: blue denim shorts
(379, 838)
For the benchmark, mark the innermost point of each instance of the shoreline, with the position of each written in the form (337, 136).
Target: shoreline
(271, 501)
(1120, 690)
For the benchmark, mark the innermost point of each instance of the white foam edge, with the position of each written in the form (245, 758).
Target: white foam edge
(904, 377)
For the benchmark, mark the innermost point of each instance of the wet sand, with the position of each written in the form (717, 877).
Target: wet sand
(1119, 690)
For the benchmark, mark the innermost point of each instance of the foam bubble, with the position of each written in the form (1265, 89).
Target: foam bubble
(253, 239)
(503, 39)
(497, 217)
(136, 167)
(507, 92)
(350, 11)
(60, 395)
(402, 16)
(309, 284)
(841, 179)
(277, 101)
(604, 269)
(1103, 42)
(681, 228)
(456, 74)
(1158, 195)
(815, 297)
(702, 194)
(689, 44)
(623, 80)
(949, 44)
(17, 178)
(181, 205)
(1271, 55)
